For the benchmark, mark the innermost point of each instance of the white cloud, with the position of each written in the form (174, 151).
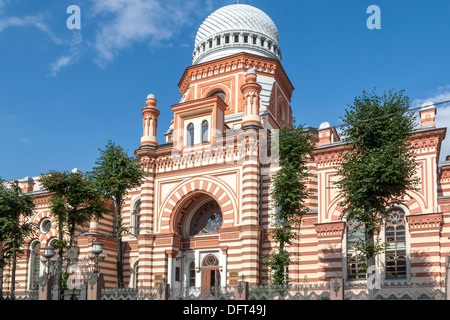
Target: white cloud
(123, 23)
(441, 94)
(69, 58)
(33, 21)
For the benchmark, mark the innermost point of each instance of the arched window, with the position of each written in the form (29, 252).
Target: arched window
(137, 217)
(35, 265)
(205, 137)
(356, 261)
(210, 261)
(135, 275)
(190, 134)
(192, 274)
(207, 219)
(395, 239)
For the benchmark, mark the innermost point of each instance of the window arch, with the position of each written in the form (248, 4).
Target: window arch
(190, 134)
(205, 129)
(135, 273)
(137, 217)
(207, 219)
(395, 239)
(35, 265)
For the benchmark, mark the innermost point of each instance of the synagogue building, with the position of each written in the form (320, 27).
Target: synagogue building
(203, 214)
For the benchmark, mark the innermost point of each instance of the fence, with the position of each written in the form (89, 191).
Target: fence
(20, 295)
(305, 291)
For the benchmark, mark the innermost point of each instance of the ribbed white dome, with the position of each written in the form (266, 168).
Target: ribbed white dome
(236, 28)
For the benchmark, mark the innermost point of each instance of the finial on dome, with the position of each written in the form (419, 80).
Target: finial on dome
(151, 101)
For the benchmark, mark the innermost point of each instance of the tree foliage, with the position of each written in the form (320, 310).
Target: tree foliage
(377, 166)
(114, 175)
(288, 192)
(74, 201)
(16, 208)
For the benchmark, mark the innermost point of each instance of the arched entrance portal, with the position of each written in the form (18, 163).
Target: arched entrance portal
(200, 260)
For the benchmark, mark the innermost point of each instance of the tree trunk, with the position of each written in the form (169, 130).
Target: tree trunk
(117, 225)
(13, 272)
(1, 270)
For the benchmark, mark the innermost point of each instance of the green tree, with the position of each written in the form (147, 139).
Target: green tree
(74, 201)
(377, 166)
(289, 192)
(114, 174)
(16, 208)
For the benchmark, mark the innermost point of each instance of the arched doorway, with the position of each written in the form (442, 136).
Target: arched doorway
(200, 260)
(210, 271)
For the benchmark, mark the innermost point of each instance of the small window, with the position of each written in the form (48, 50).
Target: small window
(236, 38)
(218, 41)
(136, 276)
(177, 274)
(35, 265)
(227, 39)
(205, 137)
(192, 274)
(190, 134)
(245, 39)
(137, 218)
(46, 225)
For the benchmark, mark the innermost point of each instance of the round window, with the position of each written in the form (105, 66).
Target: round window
(46, 225)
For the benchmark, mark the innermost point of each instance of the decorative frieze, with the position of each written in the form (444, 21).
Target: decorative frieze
(425, 221)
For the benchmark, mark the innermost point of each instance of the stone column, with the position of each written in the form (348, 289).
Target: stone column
(242, 290)
(94, 289)
(45, 287)
(250, 93)
(337, 289)
(250, 227)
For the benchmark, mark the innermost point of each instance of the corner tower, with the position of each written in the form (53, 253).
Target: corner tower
(204, 208)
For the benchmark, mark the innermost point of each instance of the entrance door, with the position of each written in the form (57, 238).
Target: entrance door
(210, 274)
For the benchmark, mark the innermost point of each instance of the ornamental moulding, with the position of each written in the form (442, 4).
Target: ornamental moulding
(330, 229)
(425, 221)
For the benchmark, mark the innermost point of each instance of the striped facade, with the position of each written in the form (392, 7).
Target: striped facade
(227, 168)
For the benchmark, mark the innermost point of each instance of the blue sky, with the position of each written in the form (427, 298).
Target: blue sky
(64, 93)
